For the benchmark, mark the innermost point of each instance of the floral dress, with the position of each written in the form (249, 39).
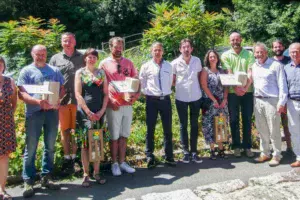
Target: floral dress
(216, 88)
(92, 93)
(7, 123)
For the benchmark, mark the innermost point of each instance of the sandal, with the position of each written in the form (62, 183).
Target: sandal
(85, 182)
(99, 180)
(6, 196)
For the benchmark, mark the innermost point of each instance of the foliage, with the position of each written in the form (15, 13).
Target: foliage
(172, 24)
(266, 20)
(18, 37)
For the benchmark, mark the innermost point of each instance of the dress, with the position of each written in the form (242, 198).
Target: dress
(7, 123)
(216, 88)
(92, 93)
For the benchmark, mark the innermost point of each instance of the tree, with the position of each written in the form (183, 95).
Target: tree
(173, 23)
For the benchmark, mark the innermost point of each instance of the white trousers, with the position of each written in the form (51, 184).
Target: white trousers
(293, 112)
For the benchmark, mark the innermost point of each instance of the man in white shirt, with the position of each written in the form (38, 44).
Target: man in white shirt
(186, 76)
(156, 81)
(270, 96)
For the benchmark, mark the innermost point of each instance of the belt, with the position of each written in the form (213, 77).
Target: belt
(158, 97)
(295, 99)
(262, 97)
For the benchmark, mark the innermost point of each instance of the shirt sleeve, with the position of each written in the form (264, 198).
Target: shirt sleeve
(282, 85)
(23, 79)
(60, 77)
(199, 65)
(134, 72)
(52, 61)
(251, 60)
(225, 62)
(143, 79)
(173, 63)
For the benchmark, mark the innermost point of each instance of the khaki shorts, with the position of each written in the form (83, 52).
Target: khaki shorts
(67, 117)
(119, 122)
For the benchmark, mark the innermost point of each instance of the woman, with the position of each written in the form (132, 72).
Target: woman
(216, 95)
(92, 98)
(8, 103)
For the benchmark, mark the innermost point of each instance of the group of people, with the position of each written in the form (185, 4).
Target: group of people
(86, 95)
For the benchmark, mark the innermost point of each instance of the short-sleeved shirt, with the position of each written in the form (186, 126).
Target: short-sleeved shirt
(237, 62)
(292, 72)
(187, 79)
(110, 67)
(68, 67)
(33, 75)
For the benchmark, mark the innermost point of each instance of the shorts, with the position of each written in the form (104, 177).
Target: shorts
(67, 117)
(119, 122)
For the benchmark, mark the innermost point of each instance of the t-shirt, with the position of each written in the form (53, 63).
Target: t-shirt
(68, 67)
(110, 66)
(237, 62)
(32, 75)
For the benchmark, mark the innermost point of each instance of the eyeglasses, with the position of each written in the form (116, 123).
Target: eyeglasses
(119, 68)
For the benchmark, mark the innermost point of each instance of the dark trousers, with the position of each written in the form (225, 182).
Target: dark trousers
(182, 109)
(163, 107)
(245, 104)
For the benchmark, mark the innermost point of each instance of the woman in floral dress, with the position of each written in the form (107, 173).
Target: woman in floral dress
(92, 98)
(8, 103)
(216, 94)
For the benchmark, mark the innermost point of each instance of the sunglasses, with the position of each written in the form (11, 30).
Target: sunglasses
(119, 68)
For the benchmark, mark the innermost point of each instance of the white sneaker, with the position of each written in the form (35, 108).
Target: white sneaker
(125, 167)
(115, 169)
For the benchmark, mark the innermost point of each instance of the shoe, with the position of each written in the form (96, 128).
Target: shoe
(262, 159)
(151, 163)
(249, 153)
(222, 154)
(115, 169)
(28, 190)
(48, 183)
(237, 153)
(67, 166)
(212, 155)
(196, 159)
(296, 164)
(186, 158)
(274, 162)
(126, 168)
(290, 151)
(171, 162)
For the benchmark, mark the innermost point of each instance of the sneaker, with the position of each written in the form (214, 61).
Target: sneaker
(186, 158)
(249, 153)
(237, 153)
(151, 163)
(274, 162)
(125, 167)
(196, 159)
(222, 154)
(28, 190)
(48, 183)
(290, 151)
(170, 162)
(115, 169)
(262, 159)
(67, 166)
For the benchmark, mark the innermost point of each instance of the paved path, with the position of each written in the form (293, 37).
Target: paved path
(161, 179)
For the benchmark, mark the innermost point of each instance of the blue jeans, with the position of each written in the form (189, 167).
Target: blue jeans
(182, 109)
(48, 120)
(245, 103)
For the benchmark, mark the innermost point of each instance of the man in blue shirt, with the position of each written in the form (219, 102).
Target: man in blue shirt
(39, 114)
(292, 71)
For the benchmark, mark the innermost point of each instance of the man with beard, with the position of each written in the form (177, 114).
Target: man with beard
(40, 114)
(238, 59)
(119, 108)
(186, 72)
(292, 71)
(156, 81)
(270, 92)
(68, 62)
(278, 49)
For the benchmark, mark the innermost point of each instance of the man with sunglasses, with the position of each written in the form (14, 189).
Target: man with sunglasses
(119, 109)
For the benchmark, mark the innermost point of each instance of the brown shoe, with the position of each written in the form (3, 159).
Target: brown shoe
(262, 159)
(296, 164)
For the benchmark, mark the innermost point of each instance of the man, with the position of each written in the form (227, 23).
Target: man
(278, 49)
(292, 71)
(237, 59)
(39, 114)
(270, 95)
(156, 81)
(68, 62)
(119, 108)
(186, 72)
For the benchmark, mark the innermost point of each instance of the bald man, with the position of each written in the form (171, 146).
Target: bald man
(238, 59)
(40, 114)
(292, 71)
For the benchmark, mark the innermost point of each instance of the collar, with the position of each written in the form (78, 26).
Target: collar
(294, 65)
(267, 62)
(182, 60)
(233, 52)
(75, 53)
